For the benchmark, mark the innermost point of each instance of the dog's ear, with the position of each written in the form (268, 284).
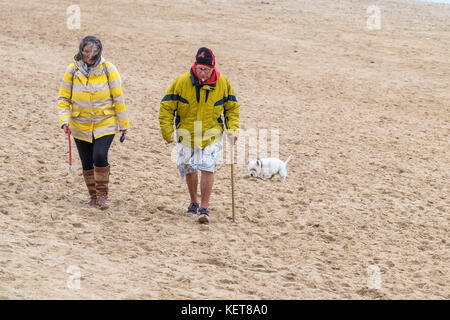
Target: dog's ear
(258, 162)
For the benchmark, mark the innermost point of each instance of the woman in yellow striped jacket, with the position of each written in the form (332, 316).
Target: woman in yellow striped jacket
(92, 106)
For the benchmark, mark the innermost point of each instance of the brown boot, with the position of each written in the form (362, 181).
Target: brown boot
(101, 176)
(90, 183)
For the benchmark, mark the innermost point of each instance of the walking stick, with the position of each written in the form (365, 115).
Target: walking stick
(70, 150)
(232, 175)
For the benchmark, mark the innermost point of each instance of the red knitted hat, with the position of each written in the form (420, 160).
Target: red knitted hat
(205, 57)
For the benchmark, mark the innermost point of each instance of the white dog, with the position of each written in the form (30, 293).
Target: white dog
(268, 167)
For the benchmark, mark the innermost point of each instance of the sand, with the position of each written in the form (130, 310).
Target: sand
(363, 213)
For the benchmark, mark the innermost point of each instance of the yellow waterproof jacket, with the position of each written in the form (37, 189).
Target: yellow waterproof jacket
(90, 105)
(198, 111)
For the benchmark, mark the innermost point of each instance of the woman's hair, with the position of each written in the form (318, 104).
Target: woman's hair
(89, 40)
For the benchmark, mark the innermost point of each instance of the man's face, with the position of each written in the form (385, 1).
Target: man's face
(203, 72)
(89, 54)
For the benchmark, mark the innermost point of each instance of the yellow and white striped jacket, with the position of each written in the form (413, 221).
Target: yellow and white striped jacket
(91, 106)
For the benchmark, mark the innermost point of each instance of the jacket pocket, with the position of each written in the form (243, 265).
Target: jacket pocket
(74, 114)
(109, 112)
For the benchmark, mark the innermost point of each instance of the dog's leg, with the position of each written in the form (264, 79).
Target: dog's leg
(283, 174)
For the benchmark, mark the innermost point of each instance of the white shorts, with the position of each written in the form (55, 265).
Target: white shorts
(190, 160)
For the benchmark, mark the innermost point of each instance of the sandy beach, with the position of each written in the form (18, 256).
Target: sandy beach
(364, 112)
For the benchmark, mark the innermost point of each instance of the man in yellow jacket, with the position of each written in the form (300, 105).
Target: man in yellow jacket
(92, 107)
(201, 102)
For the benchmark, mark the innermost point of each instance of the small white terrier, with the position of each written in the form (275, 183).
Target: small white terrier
(268, 167)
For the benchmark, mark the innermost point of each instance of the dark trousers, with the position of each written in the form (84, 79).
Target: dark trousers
(95, 153)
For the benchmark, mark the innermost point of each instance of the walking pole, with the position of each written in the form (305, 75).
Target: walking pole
(232, 175)
(70, 150)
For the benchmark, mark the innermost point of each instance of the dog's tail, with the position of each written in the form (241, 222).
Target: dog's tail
(288, 159)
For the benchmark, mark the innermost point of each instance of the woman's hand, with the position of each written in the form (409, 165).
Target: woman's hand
(65, 127)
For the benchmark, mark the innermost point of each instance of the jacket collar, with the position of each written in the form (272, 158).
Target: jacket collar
(210, 84)
(84, 69)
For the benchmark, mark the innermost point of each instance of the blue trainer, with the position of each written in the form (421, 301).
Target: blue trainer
(203, 215)
(192, 209)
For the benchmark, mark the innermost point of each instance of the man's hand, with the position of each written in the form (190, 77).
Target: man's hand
(233, 139)
(124, 131)
(65, 127)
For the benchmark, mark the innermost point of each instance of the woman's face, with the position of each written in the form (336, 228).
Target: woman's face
(89, 54)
